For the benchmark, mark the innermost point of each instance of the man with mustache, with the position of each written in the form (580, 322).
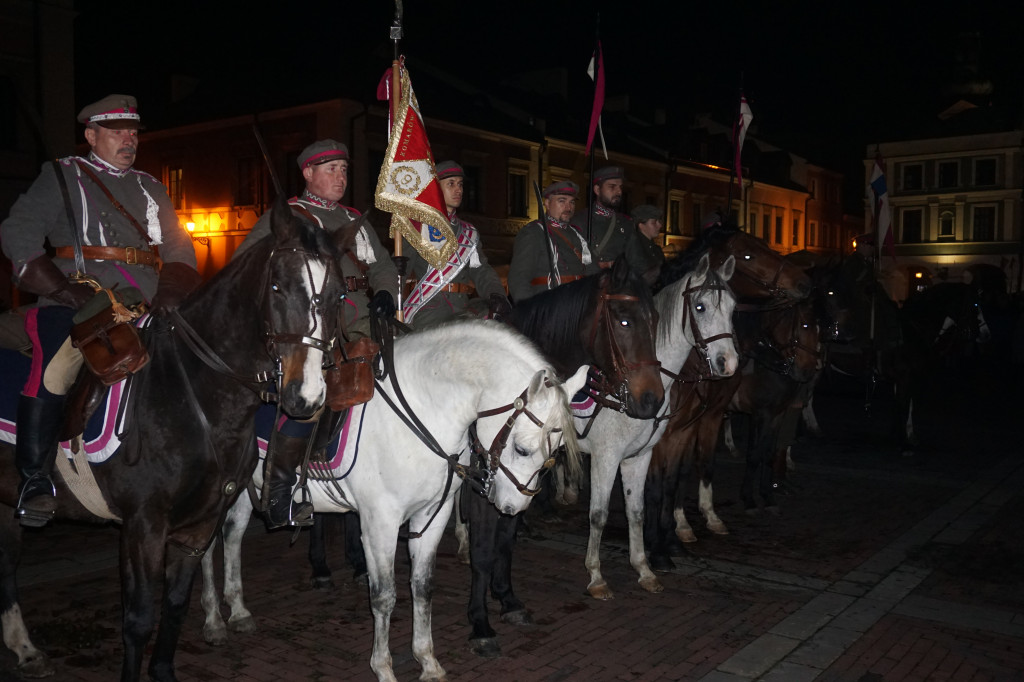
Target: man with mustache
(611, 231)
(126, 226)
(553, 252)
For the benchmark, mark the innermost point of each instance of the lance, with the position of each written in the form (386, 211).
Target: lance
(401, 262)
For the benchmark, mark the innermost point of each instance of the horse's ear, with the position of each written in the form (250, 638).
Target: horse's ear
(576, 382)
(728, 268)
(283, 223)
(701, 271)
(344, 237)
(620, 271)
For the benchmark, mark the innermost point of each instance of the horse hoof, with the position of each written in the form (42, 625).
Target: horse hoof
(718, 528)
(517, 617)
(686, 535)
(661, 563)
(463, 557)
(485, 647)
(358, 573)
(215, 636)
(321, 583)
(35, 667)
(242, 625)
(600, 591)
(569, 498)
(652, 585)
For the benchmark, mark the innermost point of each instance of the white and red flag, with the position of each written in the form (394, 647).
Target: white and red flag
(739, 134)
(407, 186)
(596, 72)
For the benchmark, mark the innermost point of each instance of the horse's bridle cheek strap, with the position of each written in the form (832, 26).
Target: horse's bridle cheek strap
(494, 464)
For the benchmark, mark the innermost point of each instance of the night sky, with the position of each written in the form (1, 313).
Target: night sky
(823, 79)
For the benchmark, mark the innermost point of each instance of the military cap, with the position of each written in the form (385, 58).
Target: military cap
(113, 111)
(449, 169)
(562, 187)
(645, 212)
(607, 173)
(320, 152)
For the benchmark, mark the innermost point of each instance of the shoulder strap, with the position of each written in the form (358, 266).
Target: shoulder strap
(607, 236)
(565, 239)
(76, 234)
(118, 205)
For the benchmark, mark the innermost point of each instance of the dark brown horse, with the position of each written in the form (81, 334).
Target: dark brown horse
(190, 449)
(764, 281)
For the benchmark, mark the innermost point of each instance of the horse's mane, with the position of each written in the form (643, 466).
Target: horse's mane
(552, 318)
(679, 266)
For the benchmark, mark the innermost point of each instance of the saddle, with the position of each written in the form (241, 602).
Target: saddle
(85, 396)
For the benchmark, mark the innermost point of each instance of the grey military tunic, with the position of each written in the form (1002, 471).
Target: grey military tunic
(380, 272)
(446, 305)
(645, 257)
(40, 215)
(611, 233)
(542, 253)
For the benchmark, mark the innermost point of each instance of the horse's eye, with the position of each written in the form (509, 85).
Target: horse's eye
(275, 287)
(699, 307)
(747, 256)
(624, 323)
(521, 451)
(831, 293)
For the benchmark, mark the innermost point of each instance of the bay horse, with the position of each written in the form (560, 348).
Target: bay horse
(400, 458)
(189, 448)
(607, 321)
(763, 280)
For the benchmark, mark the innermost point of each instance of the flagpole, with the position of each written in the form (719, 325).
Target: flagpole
(736, 154)
(396, 83)
(590, 178)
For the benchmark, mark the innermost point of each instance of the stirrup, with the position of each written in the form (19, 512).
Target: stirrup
(36, 518)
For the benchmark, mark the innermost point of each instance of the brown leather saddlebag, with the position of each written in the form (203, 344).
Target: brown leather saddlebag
(105, 333)
(350, 380)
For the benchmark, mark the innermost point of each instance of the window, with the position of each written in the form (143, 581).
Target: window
(912, 176)
(949, 174)
(984, 172)
(984, 224)
(778, 229)
(518, 201)
(698, 218)
(752, 223)
(673, 217)
(812, 233)
(249, 175)
(812, 187)
(796, 232)
(471, 193)
(912, 220)
(947, 226)
(826, 235)
(174, 186)
(766, 225)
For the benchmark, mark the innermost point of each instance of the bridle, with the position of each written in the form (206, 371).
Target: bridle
(316, 307)
(782, 359)
(700, 343)
(616, 385)
(492, 456)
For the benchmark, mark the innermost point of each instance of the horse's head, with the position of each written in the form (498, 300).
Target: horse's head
(300, 299)
(789, 341)
(760, 271)
(525, 442)
(708, 304)
(623, 333)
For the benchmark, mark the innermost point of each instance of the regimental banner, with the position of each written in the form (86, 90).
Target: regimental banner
(407, 187)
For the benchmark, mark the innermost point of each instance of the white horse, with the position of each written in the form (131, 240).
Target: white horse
(694, 313)
(451, 377)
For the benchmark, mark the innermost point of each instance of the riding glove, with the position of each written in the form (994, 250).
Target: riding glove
(499, 307)
(177, 280)
(43, 278)
(383, 304)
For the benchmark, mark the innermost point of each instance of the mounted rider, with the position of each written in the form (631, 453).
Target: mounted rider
(611, 232)
(642, 253)
(439, 295)
(126, 228)
(551, 253)
(324, 165)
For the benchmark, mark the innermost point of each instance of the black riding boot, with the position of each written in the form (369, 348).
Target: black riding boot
(39, 422)
(281, 511)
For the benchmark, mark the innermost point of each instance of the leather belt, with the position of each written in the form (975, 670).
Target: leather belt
(564, 279)
(453, 288)
(355, 283)
(128, 254)
(605, 264)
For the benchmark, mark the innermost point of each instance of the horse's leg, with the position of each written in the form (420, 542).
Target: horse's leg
(653, 533)
(482, 518)
(513, 611)
(727, 437)
(354, 554)
(704, 460)
(31, 661)
(380, 532)
(750, 471)
(142, 557)
(602, 477)
(215, 632)
(235, 525)
(317, 554)
(634, 475)
(422, 555)
(461, 528)
(179, 575)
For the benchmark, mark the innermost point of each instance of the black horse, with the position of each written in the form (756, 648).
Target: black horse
(190, 449)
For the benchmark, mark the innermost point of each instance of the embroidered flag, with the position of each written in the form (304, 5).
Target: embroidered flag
(881, 215)
(739, 134)
(596, 72)
(407, 186)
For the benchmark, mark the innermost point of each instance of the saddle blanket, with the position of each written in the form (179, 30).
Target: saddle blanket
(335, 451)
(583, 405)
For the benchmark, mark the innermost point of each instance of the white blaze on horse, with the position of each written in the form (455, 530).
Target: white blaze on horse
(451, 378)
(695, 313)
